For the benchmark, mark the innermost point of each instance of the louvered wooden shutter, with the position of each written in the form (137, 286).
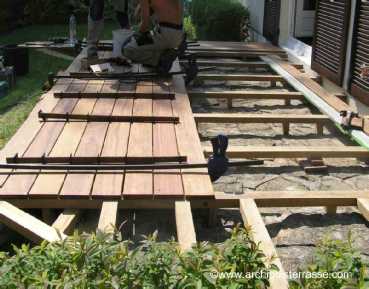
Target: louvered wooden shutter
(272, 12)
(330, 38)
(359, 85)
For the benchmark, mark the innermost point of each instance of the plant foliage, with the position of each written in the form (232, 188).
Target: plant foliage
(335, 257)
(105, 261)
(220, 20)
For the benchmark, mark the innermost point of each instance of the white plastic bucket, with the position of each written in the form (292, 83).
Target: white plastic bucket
(120, 38)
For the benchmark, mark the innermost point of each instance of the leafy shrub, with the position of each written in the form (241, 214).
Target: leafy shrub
(105, 261)
(54, 11)
(335, 256)
(189, 28)
(219, 19)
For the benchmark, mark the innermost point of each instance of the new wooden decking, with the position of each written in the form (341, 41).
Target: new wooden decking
(81, 139)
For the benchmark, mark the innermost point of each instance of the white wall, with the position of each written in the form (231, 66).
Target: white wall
(256, 8)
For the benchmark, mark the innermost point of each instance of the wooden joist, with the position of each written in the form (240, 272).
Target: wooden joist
(298, 198)
(234, 54)
(363, 205)
(239, 64)
(258, 118)
(185, 227)
(247, 95)
(240, 77)
(252, 218)
(27, 225)
(66, 221)
(108, 217)
(294, 152)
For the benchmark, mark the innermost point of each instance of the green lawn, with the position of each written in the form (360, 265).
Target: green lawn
(15, 107)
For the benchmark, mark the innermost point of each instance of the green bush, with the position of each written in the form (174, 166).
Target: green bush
(54, 11)
(189, 28)
(335, 257)
(105, 261)
(219, 20)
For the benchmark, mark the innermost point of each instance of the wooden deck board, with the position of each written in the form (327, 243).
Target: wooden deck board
(90, 139)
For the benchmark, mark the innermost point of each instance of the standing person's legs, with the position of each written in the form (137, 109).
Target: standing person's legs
(121, 10)
(95, 26)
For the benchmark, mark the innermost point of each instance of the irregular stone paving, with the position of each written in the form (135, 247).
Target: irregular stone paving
(295, 231)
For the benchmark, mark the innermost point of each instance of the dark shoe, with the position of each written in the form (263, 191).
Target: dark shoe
(166, 61)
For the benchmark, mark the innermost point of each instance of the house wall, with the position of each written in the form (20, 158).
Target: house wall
(256, 8)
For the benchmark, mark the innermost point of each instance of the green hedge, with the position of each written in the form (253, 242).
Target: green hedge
(107, 262)
(218, 19)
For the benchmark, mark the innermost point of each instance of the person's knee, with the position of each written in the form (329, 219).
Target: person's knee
(96, 10)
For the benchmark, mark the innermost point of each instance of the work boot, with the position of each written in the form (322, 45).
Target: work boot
(95, 29)
(166, 61)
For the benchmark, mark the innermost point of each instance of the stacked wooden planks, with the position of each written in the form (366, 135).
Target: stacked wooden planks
(82, 139)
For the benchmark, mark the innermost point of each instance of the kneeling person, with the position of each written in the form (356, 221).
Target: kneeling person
(156, 48)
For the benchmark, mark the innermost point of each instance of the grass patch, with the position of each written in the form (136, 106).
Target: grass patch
(16, 106)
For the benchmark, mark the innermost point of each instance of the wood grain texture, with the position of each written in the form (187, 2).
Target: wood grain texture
(27, 225)
(185, 227)
(195, 182)
(252, 218)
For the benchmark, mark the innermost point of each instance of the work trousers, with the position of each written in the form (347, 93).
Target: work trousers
(163, 38)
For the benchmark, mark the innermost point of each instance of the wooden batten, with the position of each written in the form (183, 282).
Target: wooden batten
(27, 225)
(252, 218)
(185, 226)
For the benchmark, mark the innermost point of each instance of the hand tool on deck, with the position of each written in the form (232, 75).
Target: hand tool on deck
(217, 164)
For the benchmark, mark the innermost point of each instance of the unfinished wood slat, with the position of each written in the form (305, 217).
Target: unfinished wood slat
(294, 152)
(240, 77)
(66, 221)
(91, 144)
(27, 225)
(196, 183)
(259, 118)
(233, 54)
(327, 103)
(298, 198)
(116, 145)
(251, 217)
(247, 95)
(363, 205)
(48, 183)
(185, 227)
(166, 183)
(108, 217)
(21, 183)
(239, 64)
(140, 144)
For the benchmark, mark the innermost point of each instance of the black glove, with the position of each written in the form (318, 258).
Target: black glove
(143, 38)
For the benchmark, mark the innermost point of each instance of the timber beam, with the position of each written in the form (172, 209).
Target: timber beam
(220, 200)
(241, 77)
(108, 217)
(239, 64)
(66, 221)
(294, 152)
(253, 219)
(27, 225)
(185, 226)
(247, 95)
